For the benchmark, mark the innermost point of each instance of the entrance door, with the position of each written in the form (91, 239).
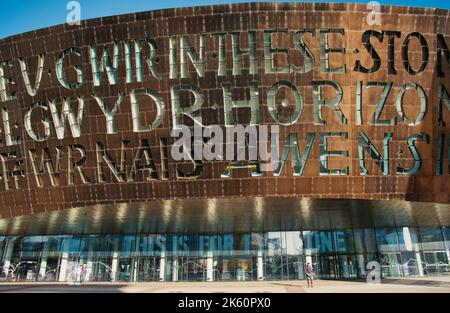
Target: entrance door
(125, 270)
(243, 269)
(101, 269)
(148, 269)
(436, 263)
(235, 268)
(326, 266)
(51, 270)
(347, 266)
(192, 269)
(27, 270)
(390, 263)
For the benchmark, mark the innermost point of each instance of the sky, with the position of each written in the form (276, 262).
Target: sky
(18, 16)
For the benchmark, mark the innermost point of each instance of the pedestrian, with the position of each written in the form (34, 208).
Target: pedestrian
(309, 271)
(83, 273)
(80, 275)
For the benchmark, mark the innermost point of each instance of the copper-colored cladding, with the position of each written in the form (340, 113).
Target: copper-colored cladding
(423, 187)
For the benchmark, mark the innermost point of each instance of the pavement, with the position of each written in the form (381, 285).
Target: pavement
(408, 285)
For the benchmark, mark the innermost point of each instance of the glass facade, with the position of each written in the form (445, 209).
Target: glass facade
(336, 254)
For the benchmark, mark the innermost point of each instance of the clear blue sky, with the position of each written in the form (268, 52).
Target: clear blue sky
(18, 16)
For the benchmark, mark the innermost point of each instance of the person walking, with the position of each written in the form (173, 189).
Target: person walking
(309, 271)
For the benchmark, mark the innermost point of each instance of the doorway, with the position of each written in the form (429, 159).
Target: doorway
(326, 266)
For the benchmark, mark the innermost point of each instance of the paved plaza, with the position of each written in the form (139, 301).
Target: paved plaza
(408, 285)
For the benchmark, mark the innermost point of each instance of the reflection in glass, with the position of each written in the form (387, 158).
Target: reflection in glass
(432, 238)
(334, 254)
(387, 239)
(364, 240)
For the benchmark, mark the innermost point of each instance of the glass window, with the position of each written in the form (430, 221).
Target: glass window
(17, 250)
(274, 243)
(408, 239)
(343, 241)
(149, 245)
(347, 267)
(109, 244)
(8, 246)
(124, 270)
(225, 244)
(446, 231)
(193, 245)
(243, 244)
(365, 240)
(318, 241)
(178, 245)
(213, 243)
(71, 244)
(53, 244)
(258, 242)
(32, 246)
(387, 239)
(363, 261)
(89, 245)
(128, 245)
(431, 238)
(2, 247)
(273, 267)
(390, 264)
(153, 245)
(436, 263)
(410, 264)
(292, 243)
(228, 245)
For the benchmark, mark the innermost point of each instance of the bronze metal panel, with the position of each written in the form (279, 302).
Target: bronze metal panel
(164, 203)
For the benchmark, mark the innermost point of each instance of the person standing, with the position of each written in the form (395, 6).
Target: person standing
(309, 272)
(83, 273)
(80, 275)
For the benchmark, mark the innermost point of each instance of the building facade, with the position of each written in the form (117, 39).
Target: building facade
(228, 142)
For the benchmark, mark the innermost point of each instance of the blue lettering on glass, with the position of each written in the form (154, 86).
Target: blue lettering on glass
(340, 241)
